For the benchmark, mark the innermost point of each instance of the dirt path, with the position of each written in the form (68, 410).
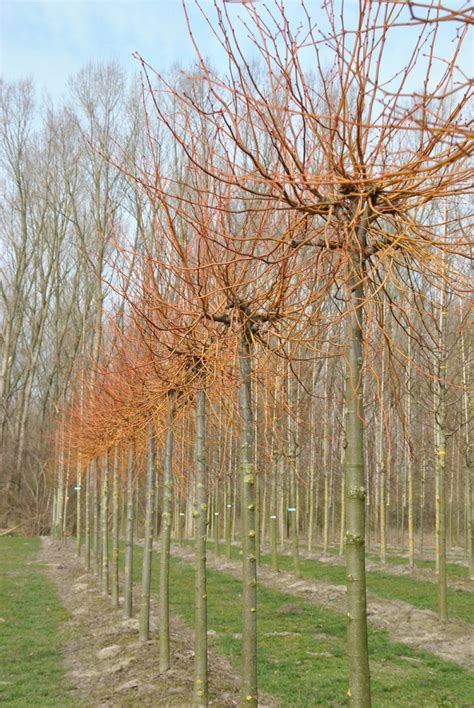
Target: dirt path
(453, 641)
(105, 660)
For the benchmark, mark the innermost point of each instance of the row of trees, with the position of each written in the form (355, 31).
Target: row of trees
(284, 247)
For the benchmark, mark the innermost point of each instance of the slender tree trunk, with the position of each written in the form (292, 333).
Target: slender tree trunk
(273, 517)
(87, 512)
(234, 508)
(326, 512)
(292, 454)
(441, 526)
(257, 479)
(164, 609)
(104, 510)
(53, 512)
(78, 509)
(312, 520)
(200, 515)
(359, 674)
(144, 633)
(263, 516)
(422, 506)
(128, 580)
(309, 544)
(249, 565)
(58, 526)
(383, 517)
(282, 513)
(440, 470)
(216, 518)
(468, 409)
(229, 505)
(114, 575)
(293, 519)
(258, 502)
(63, 519)
(343, 515)
(95, 519)
(157, 505)
(411, 530)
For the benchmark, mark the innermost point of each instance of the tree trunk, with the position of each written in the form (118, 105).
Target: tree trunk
(359, 675)
(128, 581)
(441, 506)
(440, 468)
(468, 409)
(343, 516)
(78, 509)
(292, 459)
(87, 512)
(382, 517)
(273, 516)
(144, 633)
(164, 608)
(96, 524)
(58, 526)
(249, 565)
(216, 517)
(228, 504)
(200, 514)
(104, 510)
(114, 575)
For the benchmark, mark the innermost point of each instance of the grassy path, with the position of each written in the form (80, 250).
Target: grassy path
(31, 660)
(301, 647)
(453, 570)
(419, 593)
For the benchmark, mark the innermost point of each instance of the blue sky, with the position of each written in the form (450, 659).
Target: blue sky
(50, 40)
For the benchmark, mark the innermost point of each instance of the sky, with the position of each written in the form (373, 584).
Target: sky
(50, 40)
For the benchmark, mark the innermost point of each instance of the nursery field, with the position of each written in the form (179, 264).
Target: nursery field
(62, 643)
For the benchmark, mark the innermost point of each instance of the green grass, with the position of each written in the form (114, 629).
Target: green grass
(453, 569)
(307, 667)
(419, 593)
(31, 670)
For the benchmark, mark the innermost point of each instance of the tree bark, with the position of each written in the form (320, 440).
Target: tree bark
(359, 675)
(114, 575)
(78, 509)
(144, 633)
(87, 513)
(128, 584)
(95, 514)
(104, 511)
(200, 696)
(164, 608)
(249, 565)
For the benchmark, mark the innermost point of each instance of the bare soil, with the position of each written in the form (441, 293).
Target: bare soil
(452, 641)
(104, 659)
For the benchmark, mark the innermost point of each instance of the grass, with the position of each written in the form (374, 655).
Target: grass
(453, 570)
(302, 647)
(31, 672)
(419, 593)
